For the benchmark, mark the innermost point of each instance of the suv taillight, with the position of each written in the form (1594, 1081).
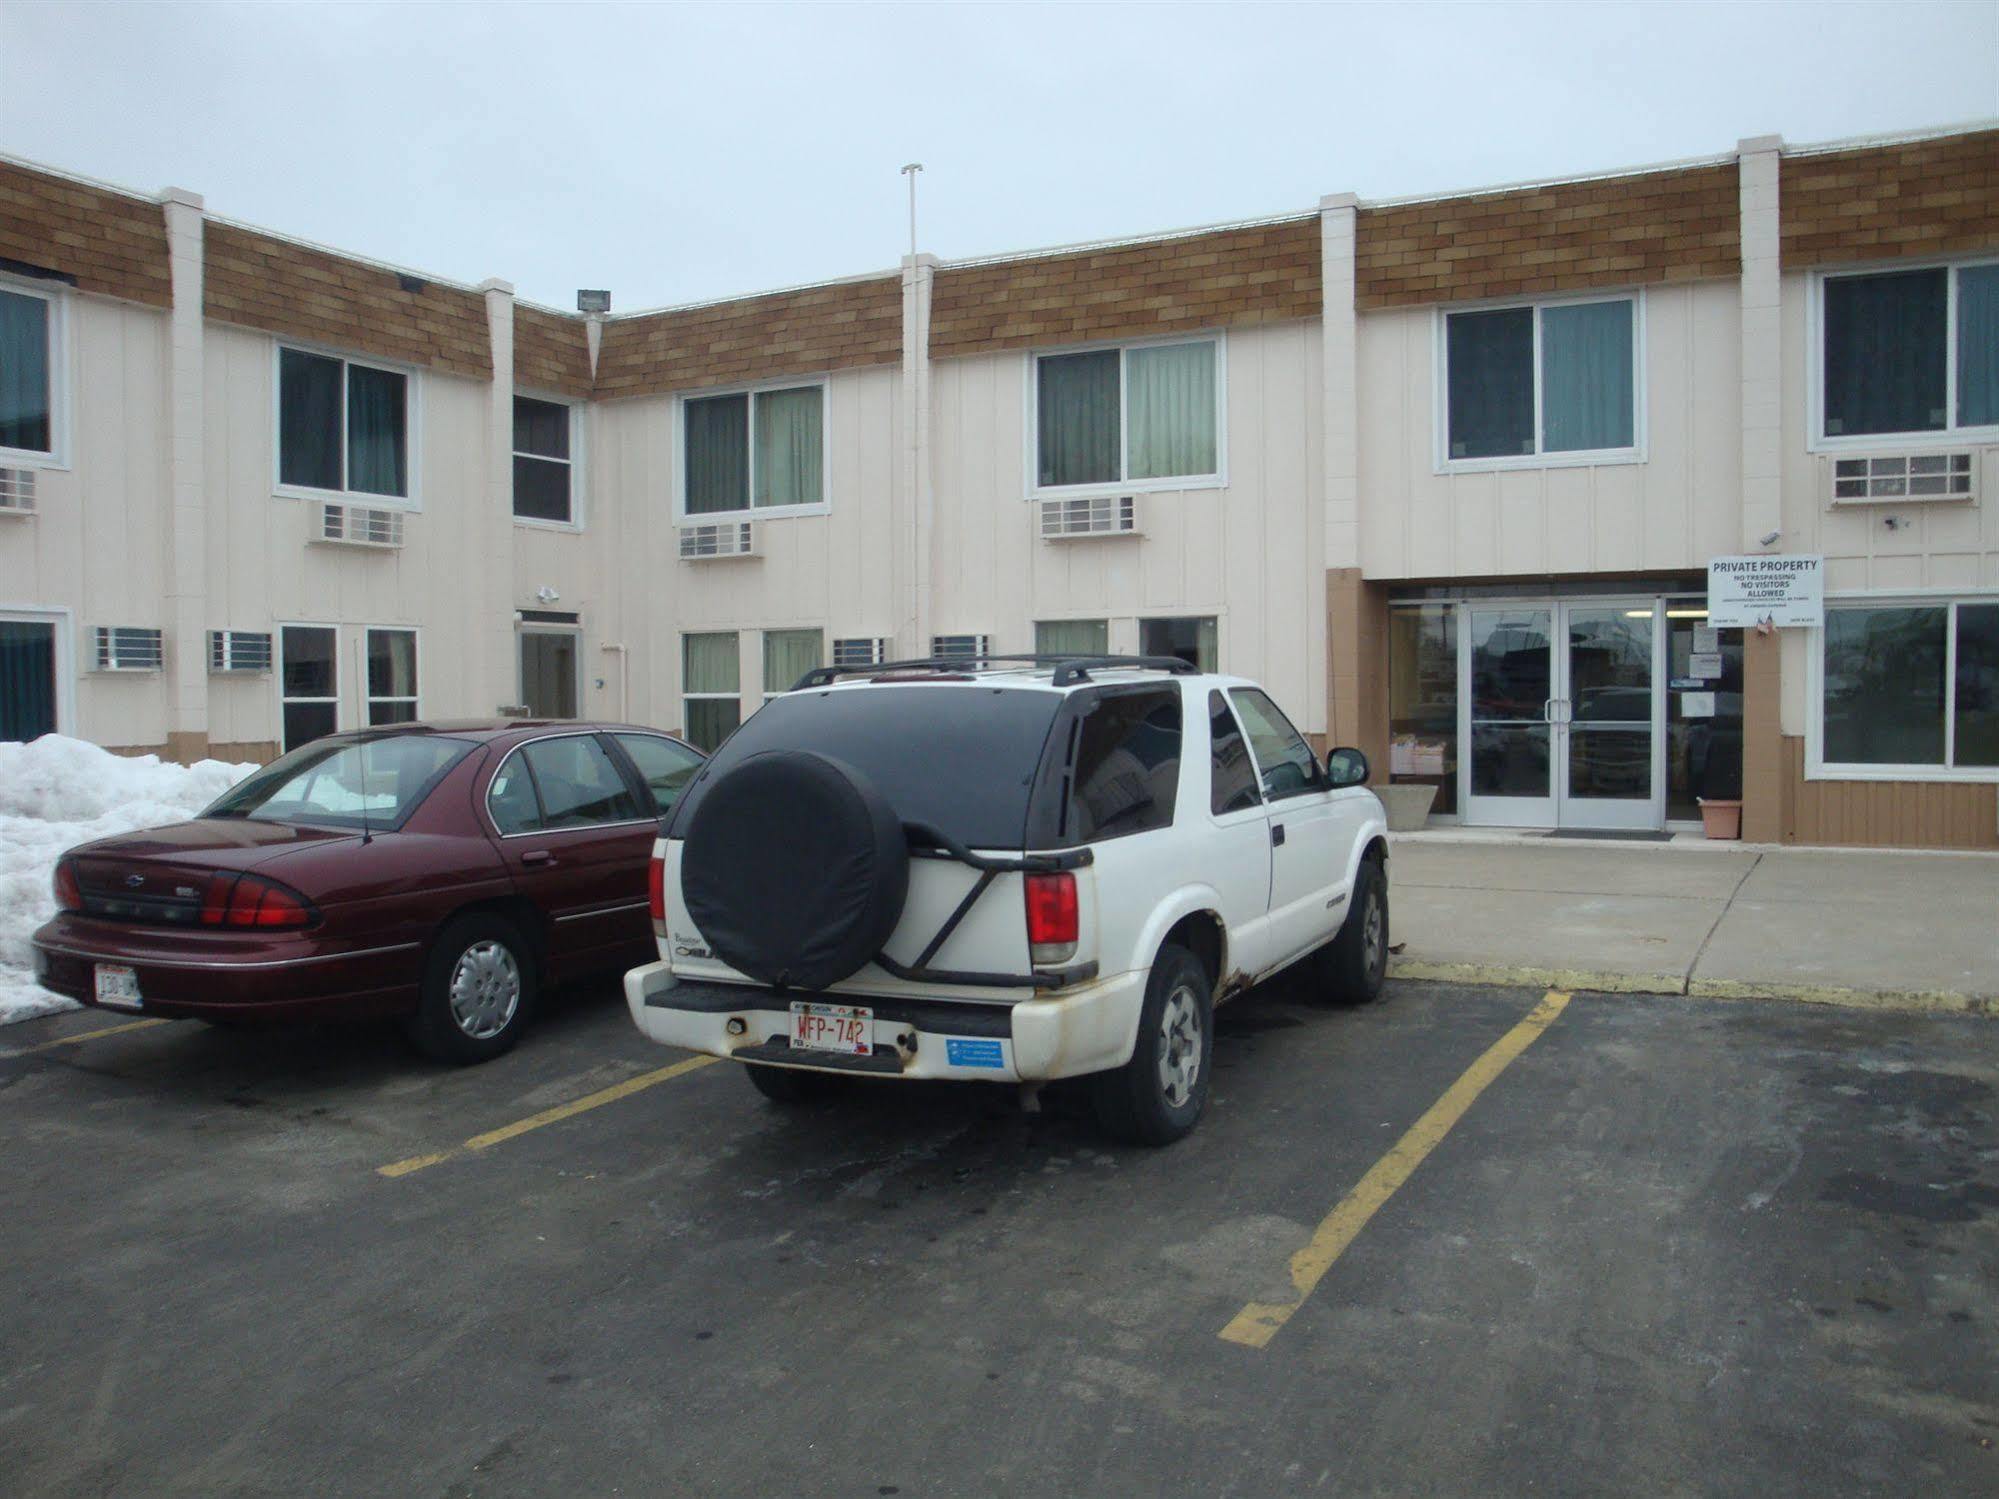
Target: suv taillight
(656, 892)
(1051, 917)
(245, 900)
(69, 897)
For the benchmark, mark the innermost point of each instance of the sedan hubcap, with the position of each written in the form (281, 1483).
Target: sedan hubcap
(485, 990)
(1181, 1045)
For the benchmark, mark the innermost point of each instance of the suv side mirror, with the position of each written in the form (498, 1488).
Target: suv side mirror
(1346, 766)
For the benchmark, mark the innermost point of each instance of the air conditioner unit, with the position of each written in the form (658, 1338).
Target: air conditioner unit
(239, 651)
(700, 543)
(1094, 515)
(358, 526)
(1902, 478)
(970, 646)
(17, 491)
(127, 648)
(860, 651)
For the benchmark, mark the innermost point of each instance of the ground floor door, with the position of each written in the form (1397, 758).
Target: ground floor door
(1562, 707)
(549, 665)
(29, 682)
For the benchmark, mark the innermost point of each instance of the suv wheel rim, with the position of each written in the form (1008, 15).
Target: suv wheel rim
(485, 990)
(1373, 939)
(1180, 1045)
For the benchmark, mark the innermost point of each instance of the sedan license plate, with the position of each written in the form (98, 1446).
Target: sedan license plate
(118, 987)
(848, 1029)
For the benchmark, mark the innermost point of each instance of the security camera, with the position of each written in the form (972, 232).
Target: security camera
(1769, 538)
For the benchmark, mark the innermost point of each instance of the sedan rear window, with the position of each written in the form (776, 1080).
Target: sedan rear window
(959, 757)
(375, 783)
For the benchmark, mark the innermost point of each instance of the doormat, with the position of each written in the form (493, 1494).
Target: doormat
(1611, 835)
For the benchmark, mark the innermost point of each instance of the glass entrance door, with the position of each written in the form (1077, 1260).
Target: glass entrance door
(1562, 714)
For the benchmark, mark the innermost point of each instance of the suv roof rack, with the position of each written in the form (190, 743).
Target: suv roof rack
(1070, 668)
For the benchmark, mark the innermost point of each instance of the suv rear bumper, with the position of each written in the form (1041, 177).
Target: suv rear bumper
(1086, 1029)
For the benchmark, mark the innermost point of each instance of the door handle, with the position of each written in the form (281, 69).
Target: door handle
(1277, 835)
(537, 856)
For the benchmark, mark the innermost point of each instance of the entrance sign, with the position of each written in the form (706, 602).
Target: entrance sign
(1742, 592)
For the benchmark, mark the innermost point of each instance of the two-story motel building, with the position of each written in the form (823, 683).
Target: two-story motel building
(1446, 473)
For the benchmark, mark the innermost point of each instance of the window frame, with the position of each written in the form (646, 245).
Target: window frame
(1031, 419)
(1817, 767)
(1217, 614)
(56, 295)
(677, 458)
(524, 628)
(412, 429)
(1950, 434)
(575, 460)
(686, 734)
(1440, 388)
(368, 697)
(763, 657)
(278, 678)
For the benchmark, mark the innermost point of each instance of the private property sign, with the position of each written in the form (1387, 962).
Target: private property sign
(1742, 592)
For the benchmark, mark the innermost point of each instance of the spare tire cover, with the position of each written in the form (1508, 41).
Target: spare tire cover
(795, 869)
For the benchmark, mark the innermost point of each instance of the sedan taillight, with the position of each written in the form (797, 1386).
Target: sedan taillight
(69, 896)
(1051, 917)
(246, 900)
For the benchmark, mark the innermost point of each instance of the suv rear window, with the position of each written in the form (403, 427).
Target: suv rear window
(959, 757)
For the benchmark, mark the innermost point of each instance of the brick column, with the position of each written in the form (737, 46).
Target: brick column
(187, 539)
(913, 598)
(495, 684)
(1762, 476)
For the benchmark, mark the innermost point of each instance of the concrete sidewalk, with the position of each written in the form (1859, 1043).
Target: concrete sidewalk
(1830, 926)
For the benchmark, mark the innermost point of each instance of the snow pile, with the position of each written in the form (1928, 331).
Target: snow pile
(56, 793)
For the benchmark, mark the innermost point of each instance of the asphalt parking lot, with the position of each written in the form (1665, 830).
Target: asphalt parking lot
(1639, 1245)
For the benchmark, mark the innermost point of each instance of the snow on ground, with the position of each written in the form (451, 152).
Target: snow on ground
(56, 793)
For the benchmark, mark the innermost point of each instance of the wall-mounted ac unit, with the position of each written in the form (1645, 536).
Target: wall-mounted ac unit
(1094, 515)
(17, 491)
(127, 648)
(969, 646)
(239, 650)
(859, 651)
(358, 526)
(1902, 478)
(700, 543)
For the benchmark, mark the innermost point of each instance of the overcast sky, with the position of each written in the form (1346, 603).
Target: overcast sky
(681, 153)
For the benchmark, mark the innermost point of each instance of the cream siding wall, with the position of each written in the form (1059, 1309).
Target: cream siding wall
(97, 542)
(1252, 554)
(1673, 510)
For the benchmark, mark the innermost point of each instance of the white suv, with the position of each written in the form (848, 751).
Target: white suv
(1009, 869)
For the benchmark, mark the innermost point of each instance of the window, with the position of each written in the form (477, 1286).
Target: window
(754, 451)
(711, 684)
(391, 676)
(28, 351)
(1533, 382)
(384, 780)
(1906, 352)
(28, 678)
(665, 764)
(1231, 773)
(1191, 639)
(342, 426)
(1423, 699)
(577, 784)
(789, 655)
(544, 470)
(548, 673)
(1911, 686)
(971, 646)
(1072, 637)
(1127, 770)
(1288, 765)
(308, 683)
(1146, 415)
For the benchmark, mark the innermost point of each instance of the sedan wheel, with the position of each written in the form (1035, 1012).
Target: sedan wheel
(478, 990)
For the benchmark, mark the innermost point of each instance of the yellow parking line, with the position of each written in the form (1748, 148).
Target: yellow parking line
(1256, 1324)
(555, 1115)
(81, 1036)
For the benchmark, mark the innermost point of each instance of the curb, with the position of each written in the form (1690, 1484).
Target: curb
(1908, 1001)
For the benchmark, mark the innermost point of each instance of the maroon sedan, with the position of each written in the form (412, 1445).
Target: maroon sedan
(440, 873)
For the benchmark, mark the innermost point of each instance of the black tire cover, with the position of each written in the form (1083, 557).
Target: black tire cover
(795, 869)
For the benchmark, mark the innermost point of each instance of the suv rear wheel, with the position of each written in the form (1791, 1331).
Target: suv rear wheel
(1158, 1096)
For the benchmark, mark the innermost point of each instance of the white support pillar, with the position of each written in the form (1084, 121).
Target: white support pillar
(1340, 395)
(187, 526)
(914, 600)
(497, 683)
(1762, 337)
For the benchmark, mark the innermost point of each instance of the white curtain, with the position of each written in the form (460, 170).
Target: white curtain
(789, 655)
(711, 663)
(1586, 377)
(790, 448)
(1072, 637)
(1170, 411)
